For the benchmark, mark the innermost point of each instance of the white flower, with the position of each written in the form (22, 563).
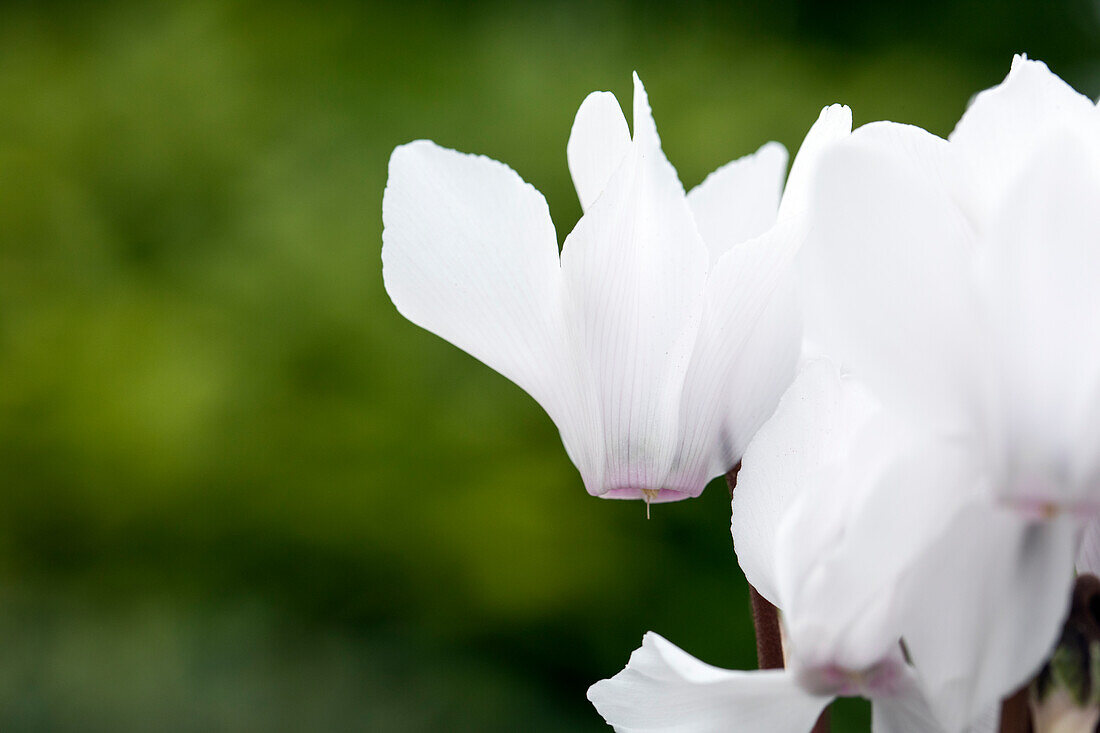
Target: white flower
(828, 519)
(960, 279)
(664, 334)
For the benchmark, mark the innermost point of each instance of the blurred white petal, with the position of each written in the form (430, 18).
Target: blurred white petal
(985, 607)
(905, 711)
(998, 132)
(808, 432)
(885, 274)
(1040, 266)
(1088, 554)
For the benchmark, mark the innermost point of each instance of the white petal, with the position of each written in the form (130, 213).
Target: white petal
(1041, 266)
(469, 253)
(739, 201)
(597, 145)
(744, 356)
(986, 606)
(1088, 554)
(815, 419)
(885, 272)
(998, 132)
(906, 711)
(847, 545)
(832, 125)
(665, 689)
(635, 269)
(989, 721)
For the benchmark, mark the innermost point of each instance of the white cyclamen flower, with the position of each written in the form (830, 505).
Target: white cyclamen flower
(961, 279)
(663, 335)
(828, 518)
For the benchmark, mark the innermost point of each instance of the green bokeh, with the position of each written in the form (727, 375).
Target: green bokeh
(239, 491)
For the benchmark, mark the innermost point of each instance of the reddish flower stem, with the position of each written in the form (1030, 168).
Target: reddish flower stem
(769, 640)
(1016, 713)
(765, 621)
(822, 724)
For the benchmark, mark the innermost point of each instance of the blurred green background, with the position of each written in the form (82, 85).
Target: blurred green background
(239, 492)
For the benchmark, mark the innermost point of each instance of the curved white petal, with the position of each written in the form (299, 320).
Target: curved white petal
(998, 132)
(665, 689)
(469, 253)
(744, 357)
(832, 125)
(597, 145)
(634, 270)
(811, 429)
(985, 607)
(886, 272)
(739, 201)
(1041, 265)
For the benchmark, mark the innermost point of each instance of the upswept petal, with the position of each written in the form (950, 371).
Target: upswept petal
(469, 253)
(739, 201)
(744, 356)
(985, 607)
(809, 431)
(997, 133)
(886, 273)
(1040, 265)
(665, 689)
(634, 270)
(832, 125)
(597, 145)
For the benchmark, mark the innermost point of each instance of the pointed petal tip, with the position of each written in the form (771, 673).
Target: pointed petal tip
(836, 115)
(643, 124)
(640, 94)
(1022, 64)
(1022, 61)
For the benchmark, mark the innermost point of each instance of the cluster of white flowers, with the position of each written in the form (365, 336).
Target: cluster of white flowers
(901, 345)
